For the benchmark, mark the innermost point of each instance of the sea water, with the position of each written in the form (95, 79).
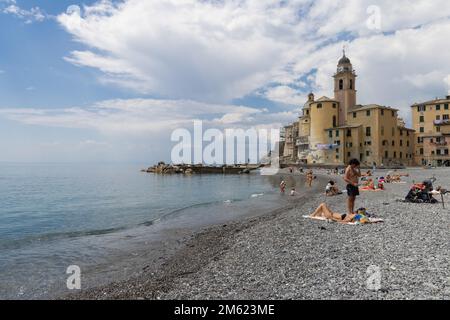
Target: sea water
(56, 215)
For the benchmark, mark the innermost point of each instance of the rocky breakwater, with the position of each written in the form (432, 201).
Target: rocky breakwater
(163, 168)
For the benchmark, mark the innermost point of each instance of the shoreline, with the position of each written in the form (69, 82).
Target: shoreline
(189, 254)
(282, 256)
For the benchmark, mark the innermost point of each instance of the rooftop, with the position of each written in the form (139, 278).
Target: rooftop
(326, 99)
(435, 101)
(371, 106)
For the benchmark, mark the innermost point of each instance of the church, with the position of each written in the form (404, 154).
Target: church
(331, 131)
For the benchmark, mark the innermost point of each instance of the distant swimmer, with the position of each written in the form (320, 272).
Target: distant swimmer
(283, 186)
(309, 178)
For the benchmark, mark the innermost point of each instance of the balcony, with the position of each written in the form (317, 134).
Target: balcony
(441, 155)
(444, 122)
(439, 144)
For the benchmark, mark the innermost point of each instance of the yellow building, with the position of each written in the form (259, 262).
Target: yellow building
(431, 121)
(331, 131)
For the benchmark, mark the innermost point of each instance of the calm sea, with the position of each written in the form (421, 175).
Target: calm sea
(56, 215)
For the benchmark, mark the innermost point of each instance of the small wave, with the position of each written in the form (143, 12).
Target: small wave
(180, 210)
(14, 244)
(55, 236)
(256, 195)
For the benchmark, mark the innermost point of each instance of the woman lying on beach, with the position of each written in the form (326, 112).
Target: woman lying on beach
(324, 212)
(395, 177)
(372, 185)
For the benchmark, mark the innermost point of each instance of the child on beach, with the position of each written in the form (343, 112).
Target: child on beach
(331, 189)
(293, 192)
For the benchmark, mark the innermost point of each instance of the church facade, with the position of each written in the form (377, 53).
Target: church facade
(331, 131)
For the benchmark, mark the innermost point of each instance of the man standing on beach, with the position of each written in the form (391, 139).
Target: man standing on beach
(351, 177)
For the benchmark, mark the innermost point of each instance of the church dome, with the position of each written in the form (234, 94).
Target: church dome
(344, 60)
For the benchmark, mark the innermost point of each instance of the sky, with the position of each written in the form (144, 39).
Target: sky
(109, 80)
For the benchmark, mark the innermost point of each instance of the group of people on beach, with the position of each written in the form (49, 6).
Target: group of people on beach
(357, 181)
(352, 176)
(309, 180)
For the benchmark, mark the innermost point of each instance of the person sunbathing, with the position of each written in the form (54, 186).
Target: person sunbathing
(373, 185)
(361, 217)
(395, 177)
(368, 184)
(400, 174)
(380, 184)
(324, 212)
(398, 178)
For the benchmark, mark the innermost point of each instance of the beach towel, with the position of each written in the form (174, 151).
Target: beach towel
(372, 220)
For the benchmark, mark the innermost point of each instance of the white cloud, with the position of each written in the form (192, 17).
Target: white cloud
(122, 130)
(217, 51)
(200, 55)
(34, 14)
(201, 50)
(146, 116)
(285, 94)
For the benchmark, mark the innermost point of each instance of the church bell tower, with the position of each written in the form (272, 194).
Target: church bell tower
(345, 88)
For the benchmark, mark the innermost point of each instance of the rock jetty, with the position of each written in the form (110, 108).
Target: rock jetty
(187, 169)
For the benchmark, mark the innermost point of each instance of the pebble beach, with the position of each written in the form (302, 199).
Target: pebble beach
(282, 255)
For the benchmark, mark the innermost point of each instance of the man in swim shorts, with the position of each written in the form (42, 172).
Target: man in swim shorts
(351, 177)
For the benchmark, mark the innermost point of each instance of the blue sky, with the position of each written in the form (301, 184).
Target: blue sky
(111, 82)
(34, 72)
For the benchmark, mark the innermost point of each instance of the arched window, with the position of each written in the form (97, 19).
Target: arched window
(334, 122)
(341, 84)
(351, 84)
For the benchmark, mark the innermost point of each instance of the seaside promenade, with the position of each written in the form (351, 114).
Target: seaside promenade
(284, 256)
